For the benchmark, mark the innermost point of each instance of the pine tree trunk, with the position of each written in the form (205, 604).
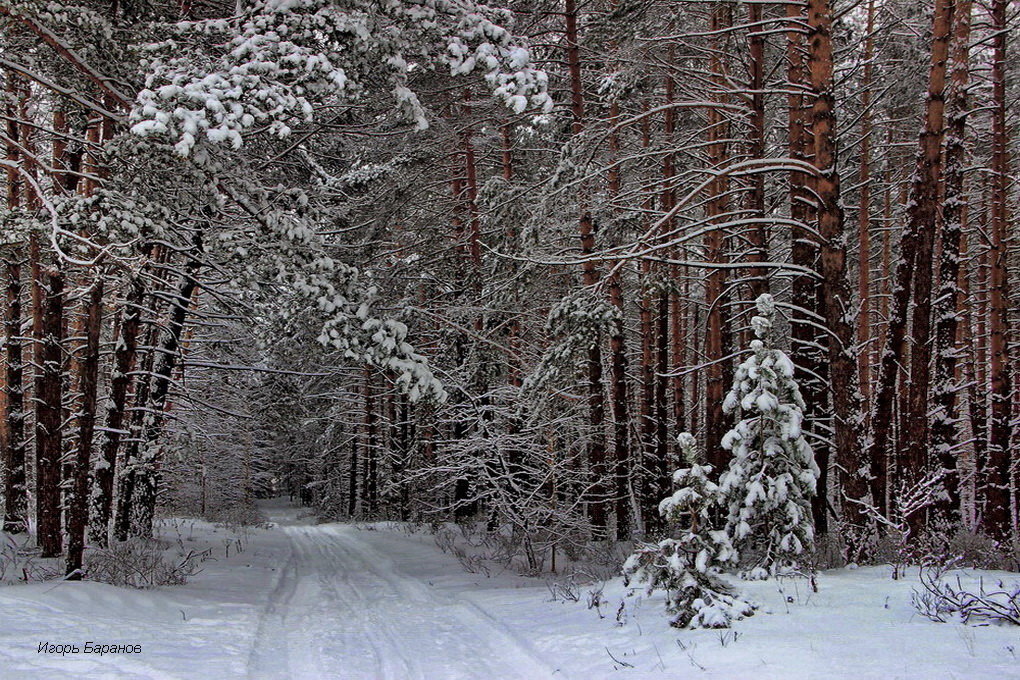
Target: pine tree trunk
(15, 518)
(715, 251)
(148, 473)
(49, 412)
(621, 414)
(997, 517)
(653, 469)
(758, 237)
(15, 489)
(913, 279)
(836, 300)
(619, 390)
(371, 482)
(923, 216)
(811, 366)
(944, 432)
(597, 513)
(87, 370)
(125, 358)
(864, 214)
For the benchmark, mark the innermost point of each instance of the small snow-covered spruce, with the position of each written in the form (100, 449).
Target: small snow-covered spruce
(772, 473)
(686, 566)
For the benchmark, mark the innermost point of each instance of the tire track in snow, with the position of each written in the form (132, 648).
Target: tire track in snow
(391, 662)
(343, 609)
(269, 654)
(519, 659)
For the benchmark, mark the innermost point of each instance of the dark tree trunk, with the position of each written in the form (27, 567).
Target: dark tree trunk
(371, 483)
(147, 474)
(13, 442)
(49, 412)
(811, 366)
(998, 512)
(914, 280)
(716, 328)
(836, 299)
(88, 382)
(944, 432)
(125, 358)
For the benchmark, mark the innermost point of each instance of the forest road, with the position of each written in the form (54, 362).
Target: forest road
(342, 609)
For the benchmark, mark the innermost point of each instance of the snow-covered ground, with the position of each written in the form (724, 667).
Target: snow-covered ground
(342, 601)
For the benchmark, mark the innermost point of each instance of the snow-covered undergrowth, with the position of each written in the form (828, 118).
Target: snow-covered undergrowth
(377, 601)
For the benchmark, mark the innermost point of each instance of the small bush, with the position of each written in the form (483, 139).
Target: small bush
(139, 563)
(940, 600)
(20, 561)
(239, 516)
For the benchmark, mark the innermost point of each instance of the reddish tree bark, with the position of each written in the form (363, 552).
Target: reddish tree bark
(716, 346)
(597, 511)
(15, 518)
(998, 519)
(836, 300)
(809, 359)
(88, 383)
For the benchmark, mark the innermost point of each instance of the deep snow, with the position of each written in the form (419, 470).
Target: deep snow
(370, 601)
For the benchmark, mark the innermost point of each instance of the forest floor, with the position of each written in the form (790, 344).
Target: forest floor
(343, 601)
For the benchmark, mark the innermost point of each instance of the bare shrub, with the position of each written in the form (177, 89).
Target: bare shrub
(473, 563)
(566, 588)
(940, 600)
(139, 563)
(445, 538)
(20, 561)
(239, 517)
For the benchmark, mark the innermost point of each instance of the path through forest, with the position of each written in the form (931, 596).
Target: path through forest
(336, 601)
(343, 608)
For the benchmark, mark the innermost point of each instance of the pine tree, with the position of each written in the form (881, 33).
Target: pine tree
(772, 474)
(686, 567)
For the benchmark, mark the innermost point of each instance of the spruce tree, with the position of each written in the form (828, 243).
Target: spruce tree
(772, 474)
(687, 566)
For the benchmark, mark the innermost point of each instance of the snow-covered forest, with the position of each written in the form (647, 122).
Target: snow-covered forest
(684, 303)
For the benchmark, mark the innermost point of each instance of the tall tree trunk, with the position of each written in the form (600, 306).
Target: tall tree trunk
(620, 393)
(48, 325)
(653, 467)
(125, 358)
(977, 398)
(864, 214)
(352, 476)
(148, 471)
(914, 280)
(811, 366)
(997, 517)
(944, 432)
(371, 482)
(621, 415)
(597, 513)
(924, 210)
(88, 382)
(758, 237)
(837, 303)
(716, 327)
(128, 458)
(15, 491)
